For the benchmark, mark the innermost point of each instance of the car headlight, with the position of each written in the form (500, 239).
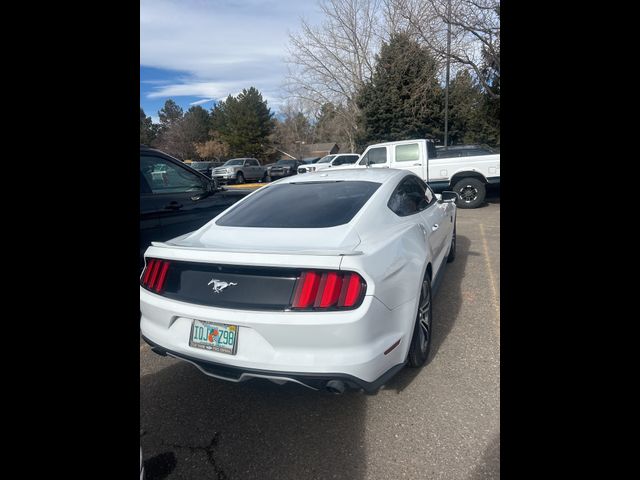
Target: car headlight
(229, 170)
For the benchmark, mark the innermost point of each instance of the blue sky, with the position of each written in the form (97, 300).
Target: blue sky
(199, 51)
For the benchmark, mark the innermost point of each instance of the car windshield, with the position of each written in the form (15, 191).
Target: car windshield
(326, 159)
(237, 161)
(288, 205)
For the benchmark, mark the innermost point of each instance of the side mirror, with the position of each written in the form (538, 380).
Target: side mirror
(449, 196)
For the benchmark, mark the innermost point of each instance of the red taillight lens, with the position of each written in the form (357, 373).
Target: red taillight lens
(354, 285)
(328, 290)
(155, 274)
(331, 291)
(306, 290)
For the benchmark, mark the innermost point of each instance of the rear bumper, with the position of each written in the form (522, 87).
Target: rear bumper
(315, 381)
(310, 348)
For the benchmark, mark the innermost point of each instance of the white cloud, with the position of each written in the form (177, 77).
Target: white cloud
(200, 102)
(221, 46)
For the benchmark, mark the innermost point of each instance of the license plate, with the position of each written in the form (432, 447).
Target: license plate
(216, 337)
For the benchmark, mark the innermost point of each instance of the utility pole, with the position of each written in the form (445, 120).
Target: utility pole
(446, 90)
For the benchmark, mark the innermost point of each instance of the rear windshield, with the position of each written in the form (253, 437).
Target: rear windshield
(301, 205)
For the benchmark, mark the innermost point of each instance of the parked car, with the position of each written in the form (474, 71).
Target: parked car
(283, 168)
(176, 199)
(310, 160)
(239, 170)
(467, 170)
(333, 299)
(329, 161)
(206, 167)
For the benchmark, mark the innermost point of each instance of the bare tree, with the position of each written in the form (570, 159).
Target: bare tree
(294, 128)
(212, 149)
(330, 62)
(475, 32)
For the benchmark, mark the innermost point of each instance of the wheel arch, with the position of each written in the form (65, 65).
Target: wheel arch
(467, 174)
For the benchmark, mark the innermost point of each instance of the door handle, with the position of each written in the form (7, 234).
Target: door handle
(435, 227)
(173, 206)
(417, 164)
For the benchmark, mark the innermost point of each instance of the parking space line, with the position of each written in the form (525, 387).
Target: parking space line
(491, 278)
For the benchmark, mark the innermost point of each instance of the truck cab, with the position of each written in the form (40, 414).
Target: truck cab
(466, 170)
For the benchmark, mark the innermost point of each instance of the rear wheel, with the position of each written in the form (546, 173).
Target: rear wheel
(240, 178)
(421, 341)
(452, 248)
(471, 191)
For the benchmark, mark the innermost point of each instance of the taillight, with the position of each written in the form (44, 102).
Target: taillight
(155, 274)
(317, 290)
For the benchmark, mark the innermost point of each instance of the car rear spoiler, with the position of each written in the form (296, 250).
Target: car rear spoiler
(326, 253)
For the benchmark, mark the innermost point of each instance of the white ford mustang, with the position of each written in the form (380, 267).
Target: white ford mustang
(333, 299)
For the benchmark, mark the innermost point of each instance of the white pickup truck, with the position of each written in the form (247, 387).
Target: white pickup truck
(464, 169)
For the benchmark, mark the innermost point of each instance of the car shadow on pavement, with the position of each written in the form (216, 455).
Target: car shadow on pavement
(488, 467)
(446, 306)
(256, 429)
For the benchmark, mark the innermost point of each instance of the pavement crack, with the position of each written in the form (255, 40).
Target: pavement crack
(209, 451)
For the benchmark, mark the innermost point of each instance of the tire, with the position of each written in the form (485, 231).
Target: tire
(452, 248)
(239, 178)
(421, 340)
(472, 192)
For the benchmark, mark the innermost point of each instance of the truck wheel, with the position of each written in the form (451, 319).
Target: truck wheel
(472, 192)
(239, 178)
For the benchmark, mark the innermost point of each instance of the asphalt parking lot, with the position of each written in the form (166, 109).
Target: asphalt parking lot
(442, 421)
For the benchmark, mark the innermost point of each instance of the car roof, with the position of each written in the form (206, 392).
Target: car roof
(379, 175)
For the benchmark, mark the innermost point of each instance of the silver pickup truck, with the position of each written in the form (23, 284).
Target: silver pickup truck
(238, 170)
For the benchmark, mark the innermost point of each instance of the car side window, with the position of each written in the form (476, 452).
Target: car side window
(144, 186)
(409, 197)
(429, 195)
(408, 153)
(162, 176)
(432, 152)
(252, 163)
(346, 160)
(375, 156)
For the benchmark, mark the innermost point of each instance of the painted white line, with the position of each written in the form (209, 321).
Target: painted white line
(494, 289)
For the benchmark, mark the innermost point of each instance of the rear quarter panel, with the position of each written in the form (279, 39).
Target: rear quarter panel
(393, 263)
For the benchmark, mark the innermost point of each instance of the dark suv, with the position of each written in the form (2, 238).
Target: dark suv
(176, 199)
(206, 167)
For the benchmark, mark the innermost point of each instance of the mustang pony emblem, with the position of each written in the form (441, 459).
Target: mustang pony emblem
(219, 286)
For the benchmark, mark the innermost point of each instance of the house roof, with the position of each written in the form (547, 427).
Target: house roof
(317, 147)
